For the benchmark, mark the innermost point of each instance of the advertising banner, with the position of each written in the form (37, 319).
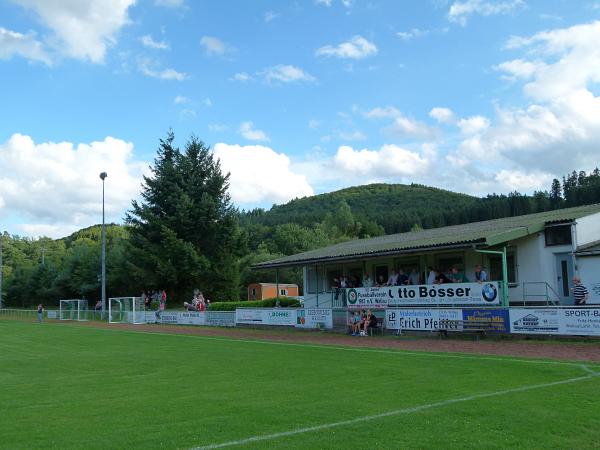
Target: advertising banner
(493, 319)
(276, 316)
(314, 318)
(190, 318)
(51, 315)
(475, 294)
(423, 319)
(582, 321)
(534, 321)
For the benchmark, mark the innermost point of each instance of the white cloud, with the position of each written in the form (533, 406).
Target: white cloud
(208, 102)
(270, 16)
(242, 76)
(473, 125)
(81, 29)
(516, 180)
(412, 34)
(401, 124)
(519, 68)
(352, 135)
(356, 48)
(148, 42)
(215, 47)
(559, 126)
(314, 124)
(56, 185)
(25, 45)
(383, 112)
(285, 74)
(387, 162)
(461, 10)
(324, 2)
(180, 100)
(170, 3)
(217, 127)
(442, 115)
(150, 68)
(248, 131)
(260, 175)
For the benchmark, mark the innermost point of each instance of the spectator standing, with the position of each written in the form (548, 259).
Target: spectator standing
(580, 292)
(432, 276)
(40, 312)
(480, 274)
(414, 277)
(393, 279)
(456, 276)
(367, 281)
(403, 279)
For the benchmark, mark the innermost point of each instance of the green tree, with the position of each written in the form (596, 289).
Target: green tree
(184, 232)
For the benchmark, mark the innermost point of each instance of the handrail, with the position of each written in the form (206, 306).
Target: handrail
(545, 295)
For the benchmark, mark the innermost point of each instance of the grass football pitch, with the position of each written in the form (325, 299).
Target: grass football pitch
(67, 386)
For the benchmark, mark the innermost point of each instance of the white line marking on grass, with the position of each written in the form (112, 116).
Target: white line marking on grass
(589, 370)
(422, 353)
(397, 412)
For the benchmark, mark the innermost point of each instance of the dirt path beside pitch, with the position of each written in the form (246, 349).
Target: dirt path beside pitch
(561, 350)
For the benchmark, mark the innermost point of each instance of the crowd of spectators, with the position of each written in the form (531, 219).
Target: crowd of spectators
(198, 303)
(402, 278)
(360, 322)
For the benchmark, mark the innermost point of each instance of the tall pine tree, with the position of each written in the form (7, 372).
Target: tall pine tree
(184, 232)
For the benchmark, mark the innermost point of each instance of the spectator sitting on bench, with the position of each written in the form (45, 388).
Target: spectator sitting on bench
(370, 322)
(355, 319)
(363, 321)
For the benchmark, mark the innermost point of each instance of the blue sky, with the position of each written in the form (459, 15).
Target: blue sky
(295, 98)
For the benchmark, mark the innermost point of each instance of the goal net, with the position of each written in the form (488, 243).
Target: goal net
(73, 309)
(126, 310)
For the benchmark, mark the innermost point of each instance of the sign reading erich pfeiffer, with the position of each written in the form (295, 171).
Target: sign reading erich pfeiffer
(474, 294)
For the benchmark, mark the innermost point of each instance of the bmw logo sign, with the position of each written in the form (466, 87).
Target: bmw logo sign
(489, 292)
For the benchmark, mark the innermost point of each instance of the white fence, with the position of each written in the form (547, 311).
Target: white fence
(566, 321)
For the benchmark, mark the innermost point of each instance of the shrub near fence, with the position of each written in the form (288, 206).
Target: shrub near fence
(284, 302)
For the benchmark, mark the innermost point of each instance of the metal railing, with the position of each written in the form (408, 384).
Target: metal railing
(539, 292)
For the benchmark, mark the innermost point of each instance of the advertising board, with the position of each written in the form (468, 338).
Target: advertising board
(494, 319)
(314, 318)
(534, 321)
(275, 316)
(471, 294)
(581, 321)
(422, 319)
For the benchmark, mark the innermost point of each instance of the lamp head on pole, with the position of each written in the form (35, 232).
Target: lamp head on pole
(103, 175)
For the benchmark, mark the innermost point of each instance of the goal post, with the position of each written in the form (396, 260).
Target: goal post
(126, 310)
(73, 309)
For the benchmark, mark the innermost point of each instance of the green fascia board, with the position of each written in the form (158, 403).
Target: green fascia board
(511, 235)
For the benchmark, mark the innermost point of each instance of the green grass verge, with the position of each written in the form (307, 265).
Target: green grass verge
(64, 386)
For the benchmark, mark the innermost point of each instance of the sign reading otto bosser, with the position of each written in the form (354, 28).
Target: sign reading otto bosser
(471, 294)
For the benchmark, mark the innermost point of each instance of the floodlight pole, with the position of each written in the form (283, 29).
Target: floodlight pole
(103, 176)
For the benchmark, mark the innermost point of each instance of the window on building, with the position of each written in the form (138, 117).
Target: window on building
(332, 274)
(495, 272)
(558, 235)
(381, 273)
(283, 292)
(311, 280)
(253, 292)
(445, 262)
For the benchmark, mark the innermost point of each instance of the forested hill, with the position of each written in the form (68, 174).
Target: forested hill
(393, 206)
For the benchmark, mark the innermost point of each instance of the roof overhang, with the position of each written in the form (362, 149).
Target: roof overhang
(371, 255)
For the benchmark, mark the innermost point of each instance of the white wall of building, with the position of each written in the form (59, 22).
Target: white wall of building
(588, 229)
(589, 271)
